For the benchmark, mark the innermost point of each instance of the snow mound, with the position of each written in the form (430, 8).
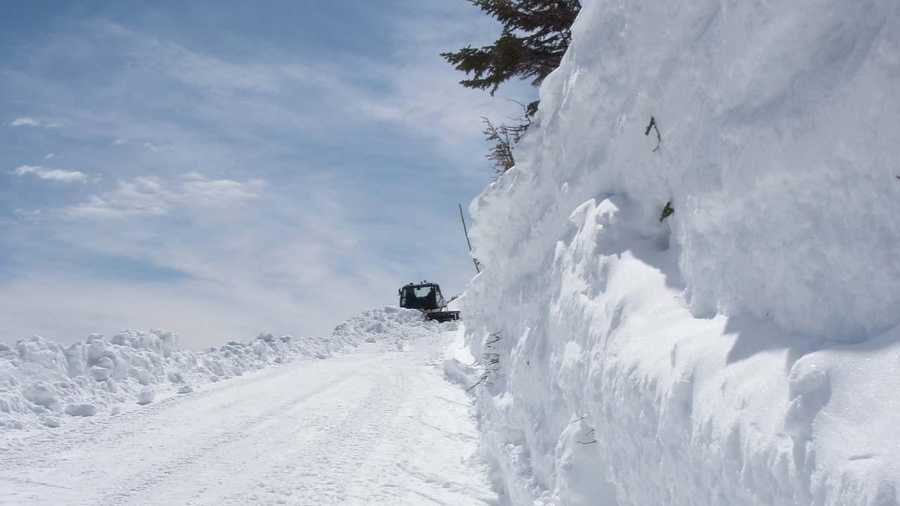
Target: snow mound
(744, 349)
(389, 325)
(41, 381)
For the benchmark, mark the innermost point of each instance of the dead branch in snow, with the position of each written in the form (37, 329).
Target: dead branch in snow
(652, 126)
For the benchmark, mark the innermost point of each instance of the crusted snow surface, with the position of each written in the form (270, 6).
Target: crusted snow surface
(744, 350)
(42, 383)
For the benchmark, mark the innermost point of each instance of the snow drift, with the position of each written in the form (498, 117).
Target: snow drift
(744, 349)
(41, 381)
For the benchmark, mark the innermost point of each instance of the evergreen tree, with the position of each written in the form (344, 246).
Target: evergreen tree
(535, 35)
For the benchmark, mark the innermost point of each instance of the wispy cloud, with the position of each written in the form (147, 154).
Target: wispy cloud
(141, 196)
(152, 196)
(200, 191)
(416, 93)
(24, 121)
(60, 175)
(27, 121)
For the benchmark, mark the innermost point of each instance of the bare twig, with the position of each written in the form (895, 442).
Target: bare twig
(590, 434)
(579, 419)
(652, 126)
(480, 381)
(504, 137)
(495, 339)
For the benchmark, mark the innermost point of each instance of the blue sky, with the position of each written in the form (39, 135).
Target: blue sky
(222, 169)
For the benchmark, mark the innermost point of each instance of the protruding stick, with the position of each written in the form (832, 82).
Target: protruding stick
(466, 231)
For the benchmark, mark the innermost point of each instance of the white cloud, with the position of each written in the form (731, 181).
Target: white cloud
(63, 176)
(216, 192)
(32, 122)
(141, 196)
(25, 121)
(151, 196)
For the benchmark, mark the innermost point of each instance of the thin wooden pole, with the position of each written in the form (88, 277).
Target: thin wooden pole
(466, 231)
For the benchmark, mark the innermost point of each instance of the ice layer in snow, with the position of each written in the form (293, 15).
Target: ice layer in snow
(743, 350)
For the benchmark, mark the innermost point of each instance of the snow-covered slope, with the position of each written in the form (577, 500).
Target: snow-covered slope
(745, 349)
(42, 382)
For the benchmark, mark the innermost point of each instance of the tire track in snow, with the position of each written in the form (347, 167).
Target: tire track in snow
(330, 456)
(150, 478)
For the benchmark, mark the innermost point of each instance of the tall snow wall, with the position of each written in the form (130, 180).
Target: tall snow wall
(743, 350)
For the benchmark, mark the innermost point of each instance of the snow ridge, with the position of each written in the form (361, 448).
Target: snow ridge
(42, 382)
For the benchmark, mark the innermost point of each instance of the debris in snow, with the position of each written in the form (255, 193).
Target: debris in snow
(653, 126)
(667, 211)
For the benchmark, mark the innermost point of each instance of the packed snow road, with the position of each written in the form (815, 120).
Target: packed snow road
(373, 427)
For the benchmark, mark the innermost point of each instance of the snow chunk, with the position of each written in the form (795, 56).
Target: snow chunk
(41, 394)
(81, 410)
(146, 396)
(461, 374)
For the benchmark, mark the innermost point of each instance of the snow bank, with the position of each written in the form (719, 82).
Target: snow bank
(744, 350)
(42, 381)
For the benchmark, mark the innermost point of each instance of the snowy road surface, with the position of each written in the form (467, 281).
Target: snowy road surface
(371, 427)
